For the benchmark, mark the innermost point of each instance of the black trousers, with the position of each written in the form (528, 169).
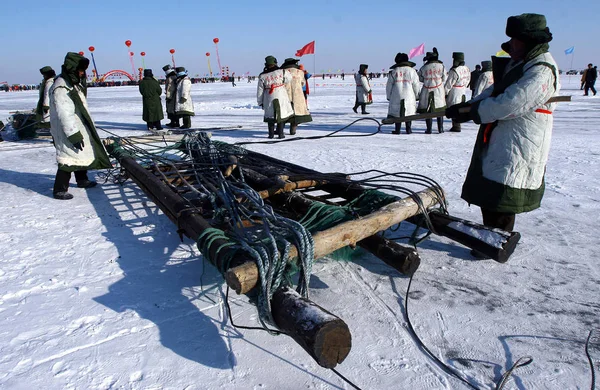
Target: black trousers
(61, 182)
(590, 85)
(504, 221)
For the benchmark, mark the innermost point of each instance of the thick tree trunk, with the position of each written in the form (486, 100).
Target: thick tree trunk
(344, 234)
(323, 335)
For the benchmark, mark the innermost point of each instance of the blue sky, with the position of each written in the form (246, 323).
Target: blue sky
(35, 33)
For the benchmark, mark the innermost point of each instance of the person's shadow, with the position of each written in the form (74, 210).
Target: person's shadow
(155, 285)
(159, 282)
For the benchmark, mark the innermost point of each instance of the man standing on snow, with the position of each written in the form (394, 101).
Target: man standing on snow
(170, 88)
(591, 75)
(152, 112)
(272, 96)
(506, 175)
(474, 77)
(401, 90)
(363, 90)
(456, 84)
(184, 107)
(78, 146)
(433, 96)
(485, 79)
(43, 107)
(296, 95)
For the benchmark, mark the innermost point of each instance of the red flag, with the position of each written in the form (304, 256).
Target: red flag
(309, 48)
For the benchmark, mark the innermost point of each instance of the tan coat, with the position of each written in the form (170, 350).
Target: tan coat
(294, 90)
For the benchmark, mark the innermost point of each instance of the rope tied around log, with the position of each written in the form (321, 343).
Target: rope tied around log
(232, 201)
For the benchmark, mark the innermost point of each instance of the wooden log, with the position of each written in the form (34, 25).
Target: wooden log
(322, 334)
(404, 259)
(495, 243)
(290, 186)
(464, 110)
(344, 234)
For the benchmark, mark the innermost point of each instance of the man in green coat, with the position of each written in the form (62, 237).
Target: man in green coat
(150, 89)
(506, 175)
(43, 107)
(78, 146)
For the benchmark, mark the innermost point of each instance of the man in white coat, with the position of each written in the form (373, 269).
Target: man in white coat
(170, 79)
(184, 107)
(506, 175)
(363, 90)
(272, 96)
(485, 79)
(433, 96)
(401, 90)
(43, 107)
(78, 146)
(459, 77)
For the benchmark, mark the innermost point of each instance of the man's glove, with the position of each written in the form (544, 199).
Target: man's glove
(46, 109)
(453, 112)
(79, 145)
(182, 100)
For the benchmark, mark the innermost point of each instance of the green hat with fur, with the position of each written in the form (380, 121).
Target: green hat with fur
(46, 69)
(528, 28)
(270, 60)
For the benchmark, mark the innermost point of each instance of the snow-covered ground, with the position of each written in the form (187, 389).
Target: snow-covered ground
(99, 292)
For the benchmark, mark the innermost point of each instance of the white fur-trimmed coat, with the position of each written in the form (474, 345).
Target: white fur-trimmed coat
(433, 77)
(46, 99)
(519, 145)
(485, 80)
(272, 95)
(183, 97)
(66, 120)
(456, 85)
(402, 85)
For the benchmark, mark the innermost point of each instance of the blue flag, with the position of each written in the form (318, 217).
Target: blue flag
(570, 50)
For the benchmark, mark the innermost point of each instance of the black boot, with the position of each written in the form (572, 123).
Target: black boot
(440, 123)
(397, 128)
(363, 108)
(408, 127)
(148, 126)
(187, 122)
(455, 127)
(280, 130)
(429, 124)
(355, 108)
(157, 125)
(82, 180)
(293, 129)
(61, 185)
(271, 127)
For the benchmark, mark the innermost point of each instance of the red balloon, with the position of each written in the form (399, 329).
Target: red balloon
(131, 53)
(91, 48)
(128, 43)
(143, 53)
(140, 69)
(81, 53)
(207, 54)
(172, 51)
(216, 40)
